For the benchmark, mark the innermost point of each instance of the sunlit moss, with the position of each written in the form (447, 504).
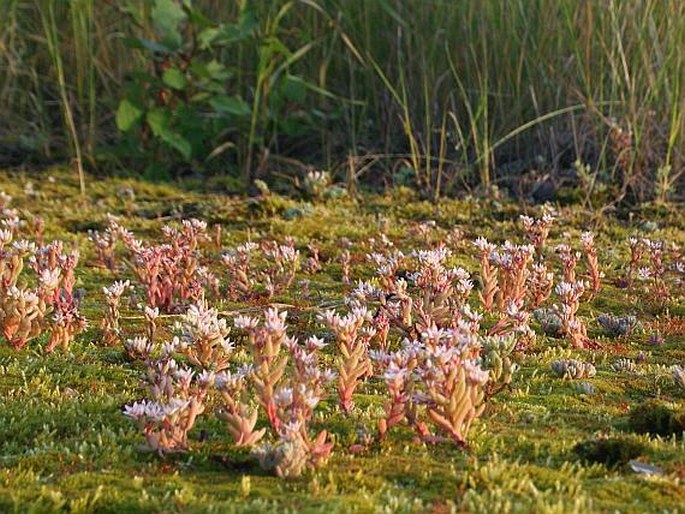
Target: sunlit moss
(62, 435)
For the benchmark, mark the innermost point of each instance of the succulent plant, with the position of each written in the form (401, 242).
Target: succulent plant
(496, 356)
(679, 376)
(549, 321)
(570, 294)
(573, 369)
(618, 326)
(171, 272)
(624, 365)
(586, 388)
(537, 230)
(353, 342)
(316, 183)
(177, 399)
(286, 458)
(111, 329)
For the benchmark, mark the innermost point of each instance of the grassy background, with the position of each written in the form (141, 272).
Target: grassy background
(461, 94)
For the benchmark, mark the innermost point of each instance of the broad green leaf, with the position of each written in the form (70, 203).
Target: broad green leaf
(178, 142)
(217, 70)
(277, 46)
(158, 119)
(174, 78)
(214, 87)
(167, 15)
(230, 105)
(207, 36)
(234, 32)
(127, 115)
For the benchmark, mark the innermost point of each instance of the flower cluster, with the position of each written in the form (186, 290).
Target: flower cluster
(177, 398)
(540, 285)
(316, 183)
(595, 275)
(313, 263)
(488, 273)
(105, 243)
(445, 370)
(537, 230)
(282, 261)
(569, 294)
(66, 321)
(171, 272)
(265, 341)
(426, 292)
(176, 393)
(637, 250)
(52, 304)
(569, 261)
(664, 273)
(203, 338)
(240, 274)
(352, 339)
(240, 417)
(436, 380)
(110, 326)
(508, 276)
(288, 399)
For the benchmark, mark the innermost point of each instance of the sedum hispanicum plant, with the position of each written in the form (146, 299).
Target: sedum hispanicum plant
(573, 369)
(266, 268)
(236, 410)
(439, 377)
(352, 340)
(172, 273)
(618, 326)
(567, 311)
(265, 342)
(595, 274)
(177, 398)
(203, 338)
(537, 229)
(52, 304)
(288, 386)
(110, 324)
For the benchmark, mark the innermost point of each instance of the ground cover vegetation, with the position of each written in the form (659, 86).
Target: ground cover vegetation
(452, 279)
(167, 351)
(524, 97)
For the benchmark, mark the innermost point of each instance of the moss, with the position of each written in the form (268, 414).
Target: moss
(610, 451)
(655, 417)
(62, 435)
